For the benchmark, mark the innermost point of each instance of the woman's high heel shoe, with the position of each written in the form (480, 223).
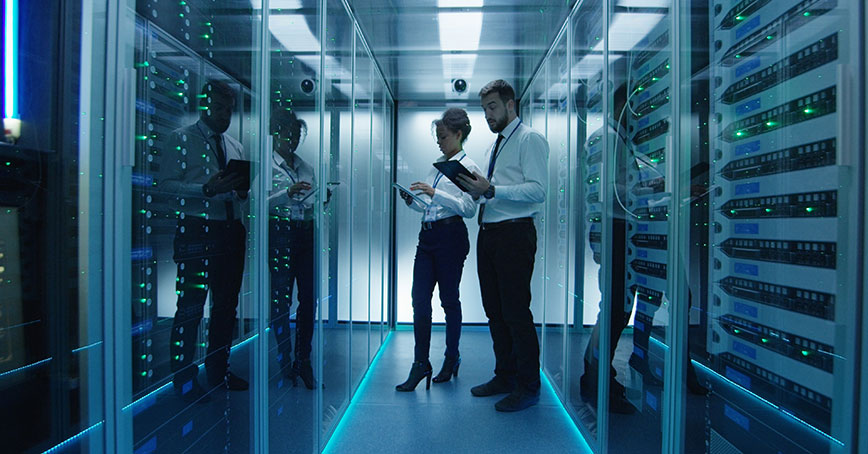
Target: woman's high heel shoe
(419, 370)
(450, 368)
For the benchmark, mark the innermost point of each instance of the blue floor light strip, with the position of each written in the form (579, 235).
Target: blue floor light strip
(754, 395)
(10, 372)
(10, 65)
(362, 387)
(74, 438)
(584, 448)
(167, 385)
(770, 404)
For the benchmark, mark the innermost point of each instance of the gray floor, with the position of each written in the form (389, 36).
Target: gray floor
(447, 418)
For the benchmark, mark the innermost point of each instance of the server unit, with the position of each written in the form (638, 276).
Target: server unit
(774, 210)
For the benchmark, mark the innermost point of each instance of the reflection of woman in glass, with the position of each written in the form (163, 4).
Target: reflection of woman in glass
(443, 246)
(290, 244)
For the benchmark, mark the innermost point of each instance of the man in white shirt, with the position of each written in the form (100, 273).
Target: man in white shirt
(511, 195)
(209, 244)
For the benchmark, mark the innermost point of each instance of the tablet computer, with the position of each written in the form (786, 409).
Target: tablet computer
(451, 169)
(414, 196)
(240, 167)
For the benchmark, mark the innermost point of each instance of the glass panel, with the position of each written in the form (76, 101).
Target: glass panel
(295, 199)
(334, 252)
(637, 128)
(587, 76)
(361, 217)
(379, 213)
(51, 218)
(191, 235)
(775, 324)
(557, 229)
(537, 120)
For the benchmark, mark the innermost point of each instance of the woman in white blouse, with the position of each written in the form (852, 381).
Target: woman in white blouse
(443, 246)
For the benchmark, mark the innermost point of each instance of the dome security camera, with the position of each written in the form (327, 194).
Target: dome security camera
(308, 86)
(459, 85)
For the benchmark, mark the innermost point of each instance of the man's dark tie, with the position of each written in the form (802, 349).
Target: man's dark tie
(221, 164)
(490, 172)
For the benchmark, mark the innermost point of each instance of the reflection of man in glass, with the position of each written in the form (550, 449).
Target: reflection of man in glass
(621, 307)
(290, 244)
(209, 240)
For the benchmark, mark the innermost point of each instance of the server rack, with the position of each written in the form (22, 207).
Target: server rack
(774, 255)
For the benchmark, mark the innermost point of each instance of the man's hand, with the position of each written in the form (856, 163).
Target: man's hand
(424, 187)
(475, 187)
(221, 182)
(297, 188)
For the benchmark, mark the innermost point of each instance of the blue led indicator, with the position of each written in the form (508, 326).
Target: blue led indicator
(651, 400)
(751, 228)
(747, 188)
(738, 377)
(736, 417)
(747, 148)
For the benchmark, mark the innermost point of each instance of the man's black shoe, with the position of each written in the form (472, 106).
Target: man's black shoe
(518, 400)
(304, 370)
(191, 391)
(496, 385)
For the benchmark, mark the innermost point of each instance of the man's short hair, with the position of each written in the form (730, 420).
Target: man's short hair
(501, 87)
(219, 88)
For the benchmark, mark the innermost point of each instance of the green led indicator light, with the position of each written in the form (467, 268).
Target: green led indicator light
(809, 209)
(144, 356)
(768, 210)
(771, 123)
(809, 111)
(739, 133)
(143, 300)
(8, 163)
(203, 107)
(143, 64)
(764, 340)
(144, 374)
(206, 36)
(736, 330)
(141, 137)
(770, 37)
(806, 14)
(739, 17)
(805, 353)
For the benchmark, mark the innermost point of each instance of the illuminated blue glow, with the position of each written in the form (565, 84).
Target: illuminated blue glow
(86, 347)
(165, 386)
(73, 438)
(583, 447)
(362, 387)
(10, 66)
(770, 404)
(10, 372)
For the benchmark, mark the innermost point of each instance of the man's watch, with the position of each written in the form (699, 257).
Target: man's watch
(207, 190)
(489, 193)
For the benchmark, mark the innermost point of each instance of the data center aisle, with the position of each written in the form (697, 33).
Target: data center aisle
(447, 418)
